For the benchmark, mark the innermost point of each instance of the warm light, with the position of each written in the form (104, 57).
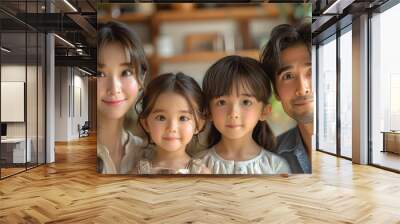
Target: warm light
(86, 72)
(70, 5)
(65, 41)
(337, 7)
(5, 50)
(331, 7)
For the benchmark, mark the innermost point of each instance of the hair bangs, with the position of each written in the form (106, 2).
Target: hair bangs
(235, 73)
(115, 32)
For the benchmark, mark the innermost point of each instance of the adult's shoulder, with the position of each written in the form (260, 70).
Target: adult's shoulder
(288, 140)
(288, 134)
(135, 146)
(133, 139)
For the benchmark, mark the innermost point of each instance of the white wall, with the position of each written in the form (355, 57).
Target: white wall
(16, 73)
(71, 93)
(80, 112)
(62, 113)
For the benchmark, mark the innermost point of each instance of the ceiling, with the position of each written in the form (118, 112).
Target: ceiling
(73, 20)
(79, 27)
(331, 15)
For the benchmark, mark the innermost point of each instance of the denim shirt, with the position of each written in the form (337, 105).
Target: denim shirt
(290, 146)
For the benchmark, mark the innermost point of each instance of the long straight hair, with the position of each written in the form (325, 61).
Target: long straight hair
(236, 71)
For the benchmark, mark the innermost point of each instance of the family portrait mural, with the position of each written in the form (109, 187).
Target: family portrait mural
(213, 89)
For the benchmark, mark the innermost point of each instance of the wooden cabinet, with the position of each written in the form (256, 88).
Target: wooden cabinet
(391, 142)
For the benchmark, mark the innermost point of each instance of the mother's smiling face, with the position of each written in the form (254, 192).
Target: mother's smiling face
(117, 85)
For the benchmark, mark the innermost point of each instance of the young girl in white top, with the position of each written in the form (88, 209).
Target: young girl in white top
(171, 113)
(121, 69)
(237, 93)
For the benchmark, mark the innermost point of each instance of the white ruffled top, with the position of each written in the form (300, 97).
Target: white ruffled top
(133, 146)
(265, 162)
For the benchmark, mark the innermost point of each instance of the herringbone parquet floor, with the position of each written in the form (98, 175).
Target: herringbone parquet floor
(70, 191)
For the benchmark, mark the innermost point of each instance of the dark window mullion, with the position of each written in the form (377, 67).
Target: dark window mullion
(317, 95)
(26, 87)
(369, 78)
(0, 98)
(37, 91)
(46, 35)
(338, 95)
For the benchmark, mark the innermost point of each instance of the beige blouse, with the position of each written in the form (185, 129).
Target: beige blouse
(133, 146)
(194, 166)
(145, 166)
(264, 163)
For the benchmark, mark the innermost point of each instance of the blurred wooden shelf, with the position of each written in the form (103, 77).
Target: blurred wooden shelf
(126, 17)
(204, 56)
(240, 14)
(247, 12)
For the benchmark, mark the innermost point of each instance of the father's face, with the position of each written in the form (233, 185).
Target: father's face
(293, 84)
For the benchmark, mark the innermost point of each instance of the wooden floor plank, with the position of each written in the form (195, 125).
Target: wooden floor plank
(70, 191)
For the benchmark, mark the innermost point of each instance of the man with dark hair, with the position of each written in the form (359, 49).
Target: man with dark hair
(287, 61)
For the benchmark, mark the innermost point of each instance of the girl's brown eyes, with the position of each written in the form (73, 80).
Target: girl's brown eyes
(160, 118)
(220, 102)
(184, 118)
(247, 102)
(127, 72)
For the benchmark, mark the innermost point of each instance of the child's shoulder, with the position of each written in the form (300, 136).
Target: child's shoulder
(203, 154)
(196, 166)
(143, 167)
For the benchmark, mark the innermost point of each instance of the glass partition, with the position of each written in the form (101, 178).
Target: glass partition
(346, 93)
(327, 96)
(385, 89)
(13, 95)
(22, 89)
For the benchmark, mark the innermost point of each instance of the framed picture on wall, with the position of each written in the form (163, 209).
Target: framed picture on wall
(12, 101)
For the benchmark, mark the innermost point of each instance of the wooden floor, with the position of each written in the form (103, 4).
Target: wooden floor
(10, 171)
(70, 191)
(5, 172)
